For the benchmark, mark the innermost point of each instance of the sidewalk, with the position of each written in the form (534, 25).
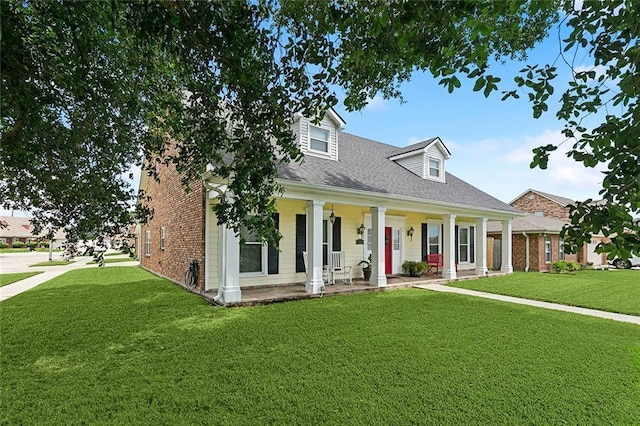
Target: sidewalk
(554, 306)
(51, 272)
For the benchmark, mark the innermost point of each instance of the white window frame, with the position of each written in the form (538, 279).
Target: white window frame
(147, 243)
(162, 238)
(3, 240)
(470, 244)
(312, 138)
(438, 227)
(560, 248)
(264, 253)
(547, 249)
(438, 169)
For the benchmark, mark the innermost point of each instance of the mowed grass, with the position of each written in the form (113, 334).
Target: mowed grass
(120, 346)
(614, 290)
(114, 260)
(52, 263)
(6, 279)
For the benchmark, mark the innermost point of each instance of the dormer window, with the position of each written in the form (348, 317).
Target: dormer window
(434, 168)
(319, 139)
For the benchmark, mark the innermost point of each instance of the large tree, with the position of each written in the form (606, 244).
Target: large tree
(90, 88)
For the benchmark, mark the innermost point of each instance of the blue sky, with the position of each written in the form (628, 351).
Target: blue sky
(490, 140)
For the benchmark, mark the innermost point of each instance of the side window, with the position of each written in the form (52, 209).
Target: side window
(251, 253)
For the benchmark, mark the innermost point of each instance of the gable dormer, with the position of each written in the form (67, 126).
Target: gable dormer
(319, 139)
(425, 159)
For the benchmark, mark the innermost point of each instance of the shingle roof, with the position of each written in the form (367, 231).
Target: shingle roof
(558, 199)
(364, 166)
(414, 147)
(20, 227)
(530, 223)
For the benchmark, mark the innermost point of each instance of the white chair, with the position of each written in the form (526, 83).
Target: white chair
(326, 277)
(339, 269)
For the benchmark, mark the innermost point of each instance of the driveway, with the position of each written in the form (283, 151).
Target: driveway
(19, 262)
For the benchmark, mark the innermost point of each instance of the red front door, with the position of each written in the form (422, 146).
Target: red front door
(387, 250)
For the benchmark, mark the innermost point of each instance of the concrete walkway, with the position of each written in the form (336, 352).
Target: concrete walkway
(50, 272)
(554, 306)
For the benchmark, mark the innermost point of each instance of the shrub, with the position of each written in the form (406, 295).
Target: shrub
(414, 268)
(3, 245)
(17, 244)
(32, 245)
(564, 267)
(44, 244)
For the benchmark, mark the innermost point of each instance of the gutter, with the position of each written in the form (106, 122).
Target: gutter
(364, 198)
(526, 251)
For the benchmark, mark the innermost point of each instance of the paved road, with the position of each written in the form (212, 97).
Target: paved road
(20, 262)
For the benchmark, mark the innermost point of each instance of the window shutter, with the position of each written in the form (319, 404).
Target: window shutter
(337, 243)
(301, 240)
(457, 246)
(425, 242)
(273, 255)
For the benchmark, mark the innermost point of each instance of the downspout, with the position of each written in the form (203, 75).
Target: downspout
(526, 251)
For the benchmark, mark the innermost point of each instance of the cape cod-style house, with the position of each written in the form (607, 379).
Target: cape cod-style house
(351, 198)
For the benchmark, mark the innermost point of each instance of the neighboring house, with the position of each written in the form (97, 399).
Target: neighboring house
(350, 194)
(538, 234)
(20, 229)
(536, 242)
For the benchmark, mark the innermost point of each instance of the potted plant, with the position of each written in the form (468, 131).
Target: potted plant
(414, 268)
(366, 267)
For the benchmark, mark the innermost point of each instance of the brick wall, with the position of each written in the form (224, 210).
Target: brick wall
(536, 252)
(183, 217)
(532, 202)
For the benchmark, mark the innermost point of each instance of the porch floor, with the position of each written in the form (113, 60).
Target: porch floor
(281, 293)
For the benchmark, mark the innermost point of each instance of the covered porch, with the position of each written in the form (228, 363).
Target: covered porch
(263, 295)
(383, 231)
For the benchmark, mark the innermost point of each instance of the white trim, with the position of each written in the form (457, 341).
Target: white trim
(332, 194)
(147, 242)
(162, 238)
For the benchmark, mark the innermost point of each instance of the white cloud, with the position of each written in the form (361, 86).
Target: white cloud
(501, 168)
(377, 104)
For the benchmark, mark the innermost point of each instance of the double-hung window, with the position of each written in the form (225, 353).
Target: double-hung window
(319, 139)
(162, 237)
(561, 248)
(547, 248)
(147, 243)
(433, 232)
(463, 244)
(434, 168)
(252, 253)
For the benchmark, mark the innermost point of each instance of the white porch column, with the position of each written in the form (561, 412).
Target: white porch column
(481, 246)
(314, 247)
(228, 266)
(506, 247)
(207, 245)
(378, 277)
(449, 247)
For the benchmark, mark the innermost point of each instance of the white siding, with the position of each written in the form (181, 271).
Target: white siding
(301, 128)
(435, 153)
(414, 164)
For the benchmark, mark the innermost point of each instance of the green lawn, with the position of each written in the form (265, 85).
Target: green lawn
(12, 278)
(614, 290)
(52, 263)
(121, 346)
(114, 260)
